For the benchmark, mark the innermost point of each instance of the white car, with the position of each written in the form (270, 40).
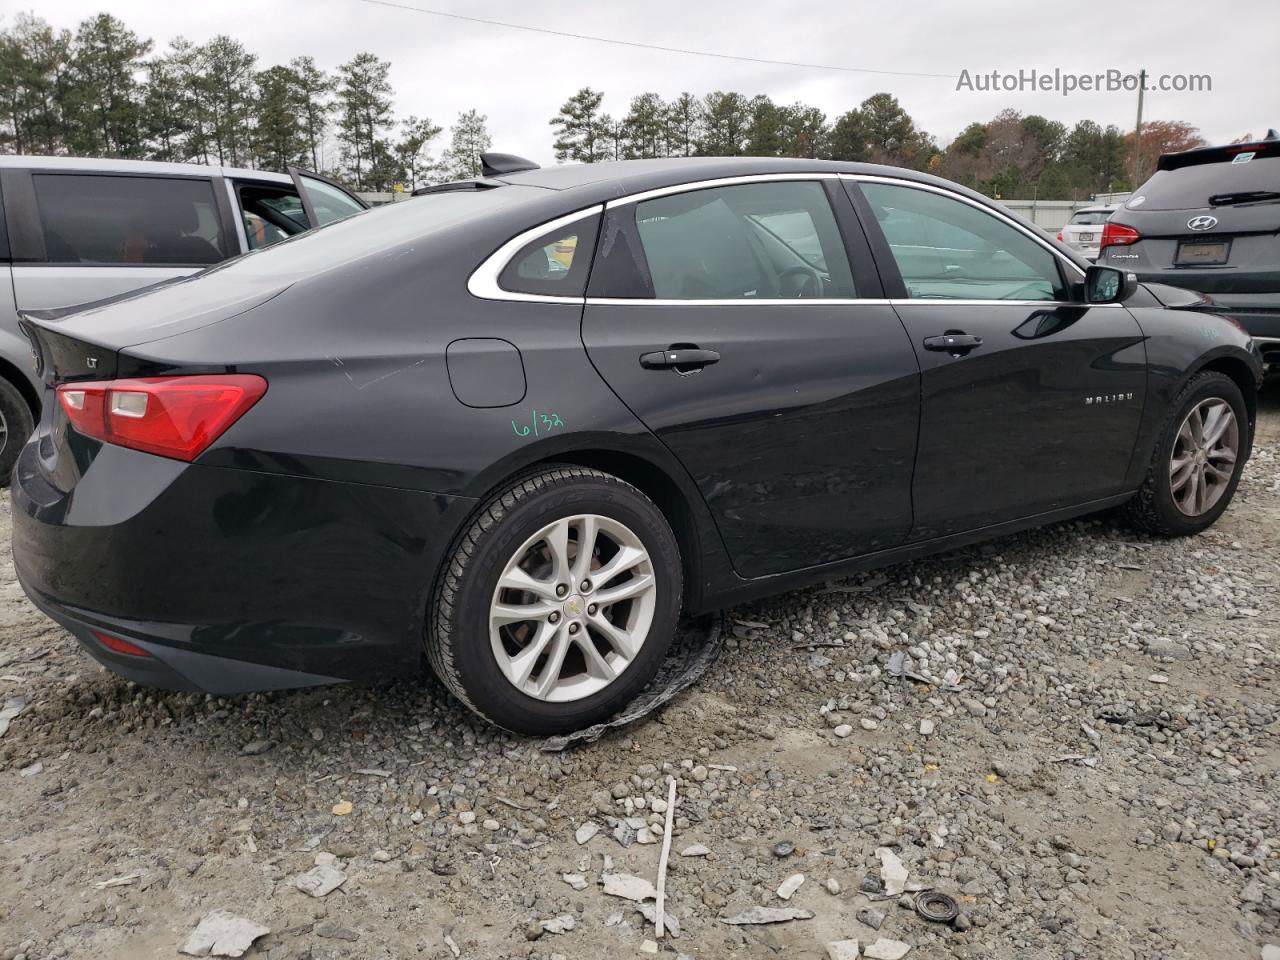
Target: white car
(1084, 229)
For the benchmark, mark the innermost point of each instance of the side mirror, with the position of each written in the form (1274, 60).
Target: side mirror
(1108, 285)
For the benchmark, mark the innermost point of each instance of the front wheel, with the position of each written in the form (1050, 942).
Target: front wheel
(1198, 460)
(558, 604)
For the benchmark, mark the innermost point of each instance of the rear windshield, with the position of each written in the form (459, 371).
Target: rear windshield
(374, 231)
(1189, 188)
(1090, 218)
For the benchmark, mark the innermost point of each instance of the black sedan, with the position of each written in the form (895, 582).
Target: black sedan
(521, 423)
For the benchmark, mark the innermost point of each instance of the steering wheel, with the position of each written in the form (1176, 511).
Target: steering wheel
(810, 284)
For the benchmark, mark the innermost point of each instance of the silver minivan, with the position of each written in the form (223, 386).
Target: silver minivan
(76, 230)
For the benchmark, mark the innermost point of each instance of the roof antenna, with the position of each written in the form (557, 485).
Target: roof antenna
(496, 164)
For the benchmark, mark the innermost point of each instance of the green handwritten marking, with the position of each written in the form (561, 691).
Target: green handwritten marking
(539, 423)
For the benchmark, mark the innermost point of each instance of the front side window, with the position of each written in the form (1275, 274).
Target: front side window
(98, 219)
(758, 241)
(555, 264)
(951, 250)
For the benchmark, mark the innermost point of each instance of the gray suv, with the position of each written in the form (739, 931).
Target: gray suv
(77, 230)
(1209, 220)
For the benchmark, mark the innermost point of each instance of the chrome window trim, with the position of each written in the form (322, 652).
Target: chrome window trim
(483, 282)
(834, 302)
(930, 188)
(718, 182)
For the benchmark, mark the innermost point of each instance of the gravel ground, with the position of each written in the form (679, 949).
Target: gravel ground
(1090, 766)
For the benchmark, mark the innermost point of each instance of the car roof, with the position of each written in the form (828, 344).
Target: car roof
(624, 177)
(140, 167)
(1105, 208)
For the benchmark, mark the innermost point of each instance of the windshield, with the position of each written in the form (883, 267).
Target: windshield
(1189, 188)
(372, 231)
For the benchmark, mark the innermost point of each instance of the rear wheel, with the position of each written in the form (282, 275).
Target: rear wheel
(559, 602)
(1197, 462)
(16, 424)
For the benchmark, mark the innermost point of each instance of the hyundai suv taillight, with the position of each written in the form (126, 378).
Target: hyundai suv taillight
(176, 417)
(1117, 235)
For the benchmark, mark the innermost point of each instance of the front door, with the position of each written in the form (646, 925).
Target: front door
(728, 319)
(1030, 401)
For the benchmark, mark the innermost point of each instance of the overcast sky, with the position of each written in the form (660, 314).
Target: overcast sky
(519, 79)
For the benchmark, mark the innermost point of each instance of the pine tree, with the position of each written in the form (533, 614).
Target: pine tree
(578, 128)
(725, 119)
(103, 100)
(412, 152)
(645, 127)
(364, 114)
(228, 90)
(469, 138)
(279, 139)
(684, 114)
(314, 96)
(34, 84)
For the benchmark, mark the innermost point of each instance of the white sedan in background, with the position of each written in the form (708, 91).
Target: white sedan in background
(1084, 229)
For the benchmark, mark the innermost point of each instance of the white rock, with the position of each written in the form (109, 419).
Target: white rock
(842, 950)
(628, 887)
(492, 825)
(843, 730)
(869, 724)
(381, 856)
(926, 728)
(892, 872)
(561, 924)
(467, 817)
(575, 880)
(695, 850)
(790, 885)
(650, 912)
(884, 949)
(1158, 678)
(324, 859)
(586, 831)
(1271, 952)
(31, 771)
(833, 886)
(320, 880)
(223, 934)
(12, 708)
(649, 946)
(659, 806)
(754, 915)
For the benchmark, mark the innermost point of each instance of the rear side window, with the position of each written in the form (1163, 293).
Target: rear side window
(98, 219)
(760, 241)
(556, 264)
(1207, 184)
(328, 201)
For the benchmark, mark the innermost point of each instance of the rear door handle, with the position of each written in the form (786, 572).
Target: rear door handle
(692, 357)
(953, 343)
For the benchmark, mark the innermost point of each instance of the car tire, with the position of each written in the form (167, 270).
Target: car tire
(511, 539)
(17, 423)
(1155, 508)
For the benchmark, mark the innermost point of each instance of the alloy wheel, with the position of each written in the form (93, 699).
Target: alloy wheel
(1204, 456)
(573, 607)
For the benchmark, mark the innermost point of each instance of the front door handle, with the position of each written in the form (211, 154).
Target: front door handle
(680, 358)
(957, 344)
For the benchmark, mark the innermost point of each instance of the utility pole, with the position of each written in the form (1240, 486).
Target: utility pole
(1137, 132)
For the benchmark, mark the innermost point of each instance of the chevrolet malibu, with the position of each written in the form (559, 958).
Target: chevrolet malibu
(517, 425)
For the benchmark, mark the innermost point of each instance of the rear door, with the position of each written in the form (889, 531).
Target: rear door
(1031, 400)
(79, 237)
(728, 317)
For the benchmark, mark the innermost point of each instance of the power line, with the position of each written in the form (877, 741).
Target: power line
(654, 46)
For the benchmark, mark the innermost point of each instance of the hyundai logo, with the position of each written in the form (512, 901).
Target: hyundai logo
(1202, 223)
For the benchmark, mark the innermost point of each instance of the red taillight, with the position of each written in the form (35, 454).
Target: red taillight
(1059, 236)
(1117, 235)
(174, 417)
(119, 645)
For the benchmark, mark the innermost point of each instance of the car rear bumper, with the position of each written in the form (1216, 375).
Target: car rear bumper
(231, 580)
